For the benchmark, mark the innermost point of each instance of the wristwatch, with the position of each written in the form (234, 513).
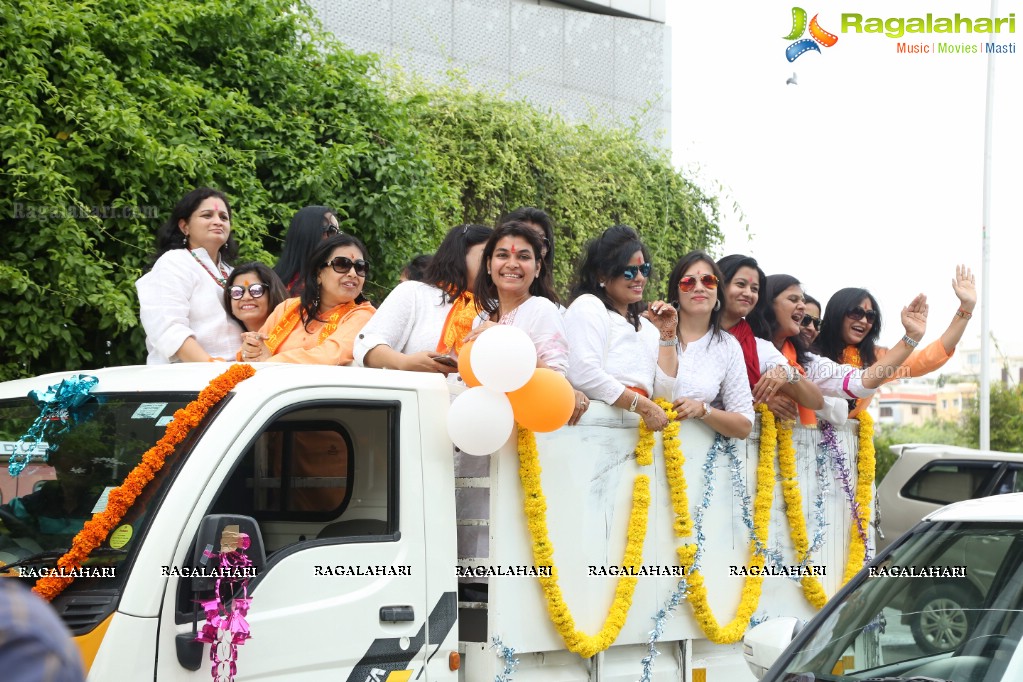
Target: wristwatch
(706, 411)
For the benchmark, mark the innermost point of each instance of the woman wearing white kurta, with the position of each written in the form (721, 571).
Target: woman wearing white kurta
(181, 297)
(613, 350)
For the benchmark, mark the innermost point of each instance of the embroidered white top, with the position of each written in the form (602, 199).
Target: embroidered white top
(410, 320)
(711, 369)
(606, 353)
(543, 322)
(179, 298)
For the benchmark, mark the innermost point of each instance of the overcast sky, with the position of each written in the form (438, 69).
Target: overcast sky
(869, 171)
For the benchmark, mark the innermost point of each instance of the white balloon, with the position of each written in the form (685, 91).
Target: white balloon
(503, 358)
(480, 421)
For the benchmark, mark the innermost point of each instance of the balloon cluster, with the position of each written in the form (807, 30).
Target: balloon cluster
(506, 387)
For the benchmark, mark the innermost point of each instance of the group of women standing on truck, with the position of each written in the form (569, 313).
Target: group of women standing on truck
(725, 337)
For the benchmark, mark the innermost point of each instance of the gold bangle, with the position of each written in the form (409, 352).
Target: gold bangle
(962, 314)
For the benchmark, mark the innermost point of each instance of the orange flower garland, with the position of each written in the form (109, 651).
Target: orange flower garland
(121, 498)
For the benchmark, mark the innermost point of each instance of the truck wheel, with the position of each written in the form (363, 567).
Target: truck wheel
(943, 617)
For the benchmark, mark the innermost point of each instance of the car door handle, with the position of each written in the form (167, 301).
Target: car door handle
(396, 614)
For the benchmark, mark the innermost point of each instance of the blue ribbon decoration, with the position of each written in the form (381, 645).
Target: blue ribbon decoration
(507, 654)
(60, 410)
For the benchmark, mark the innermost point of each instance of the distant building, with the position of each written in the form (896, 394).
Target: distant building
(1007, 369)
(610, 59)
(951, 400)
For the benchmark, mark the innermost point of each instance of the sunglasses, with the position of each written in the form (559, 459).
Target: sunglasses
(858, 313)
(810, 319)
(255, 291)
(629, 271)
(331, 230)
(687, 284)
(341, 265)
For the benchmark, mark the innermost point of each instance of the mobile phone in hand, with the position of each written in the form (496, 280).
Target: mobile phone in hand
(446, 360)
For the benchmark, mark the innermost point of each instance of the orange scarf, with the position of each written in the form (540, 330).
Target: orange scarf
(806, 415)
(851, 356)
(292, 317)
(458, 323)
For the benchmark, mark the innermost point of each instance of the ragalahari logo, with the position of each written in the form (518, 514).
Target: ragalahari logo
(817, 35)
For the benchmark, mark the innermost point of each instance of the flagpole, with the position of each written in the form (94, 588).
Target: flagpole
(985, 266)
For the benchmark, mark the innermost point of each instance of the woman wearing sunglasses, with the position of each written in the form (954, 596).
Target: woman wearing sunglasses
(252, 291)
(310, 226)
(180, 294)
(852, 324)
(777, 321)
(320, 326)
(811, 322)
(613, 350)
(710, 382)
(420, 325)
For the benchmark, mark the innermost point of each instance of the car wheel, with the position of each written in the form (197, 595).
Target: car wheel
(943, 616)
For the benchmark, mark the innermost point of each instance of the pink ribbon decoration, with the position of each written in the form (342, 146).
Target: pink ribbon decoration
(224, 613)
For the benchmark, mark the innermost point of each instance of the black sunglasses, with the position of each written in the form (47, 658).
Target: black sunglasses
(331, 230)
(810, 319)
(629, 271)
(858, 313)
(341, 265)
(255, 291)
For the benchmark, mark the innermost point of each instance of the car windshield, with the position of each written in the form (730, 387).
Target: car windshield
(48, 503)
(944, 605)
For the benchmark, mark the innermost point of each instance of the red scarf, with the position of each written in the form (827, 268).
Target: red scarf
(744, 335)
(806, 415)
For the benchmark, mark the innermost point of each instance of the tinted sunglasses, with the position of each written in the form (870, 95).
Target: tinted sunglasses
(687, 284)
(858, 313)
(331, 230)
(810, 319)
(630, 271)
(341, 265)
(255, 291)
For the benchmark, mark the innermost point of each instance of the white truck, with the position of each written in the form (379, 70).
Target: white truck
(344, 478)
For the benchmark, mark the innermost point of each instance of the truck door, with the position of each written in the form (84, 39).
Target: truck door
(338, 498)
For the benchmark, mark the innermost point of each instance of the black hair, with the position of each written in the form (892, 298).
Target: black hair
(305, 233)
(528, 214)
(830, 341)
(416, 268)
(764, 322)
(679, 271)
(810, 300)
(447, 270)
(604, 259)
(275, 293)
(310, 297)
(169, 235)
(485, 289)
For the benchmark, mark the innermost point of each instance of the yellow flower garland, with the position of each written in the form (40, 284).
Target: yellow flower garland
(751, 589)
(674, 460)
(864, 496)
(812, 588)
(543, 554)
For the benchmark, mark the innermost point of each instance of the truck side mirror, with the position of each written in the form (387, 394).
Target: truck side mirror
(762, 645)
(207, 540)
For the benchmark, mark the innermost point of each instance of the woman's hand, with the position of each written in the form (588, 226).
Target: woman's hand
(254, 348)
(914, 317)
(688, 408)
(664, 317)
(424, 362)
(582, 403)
(783, 407)
(770, 383)
(965, 288)
(652, 414)
(484, 326)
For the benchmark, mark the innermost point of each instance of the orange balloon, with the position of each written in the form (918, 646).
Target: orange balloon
(464, 368)
(545, 403)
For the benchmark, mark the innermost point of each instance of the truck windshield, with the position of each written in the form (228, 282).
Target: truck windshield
(946, 604)
(48, 503)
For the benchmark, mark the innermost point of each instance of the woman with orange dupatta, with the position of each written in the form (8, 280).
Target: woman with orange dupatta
(320, 326)
(776, 320)
(421, 326)
(852, 324)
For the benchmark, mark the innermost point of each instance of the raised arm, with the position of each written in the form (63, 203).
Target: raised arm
(914, 320)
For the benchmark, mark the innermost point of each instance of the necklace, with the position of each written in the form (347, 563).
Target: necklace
(221, 281)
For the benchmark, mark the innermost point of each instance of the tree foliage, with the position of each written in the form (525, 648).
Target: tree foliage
(1006, 419)
(110, 110)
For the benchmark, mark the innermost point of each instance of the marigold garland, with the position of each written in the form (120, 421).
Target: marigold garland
(812, 588)
(121, 498)
(864, 496)
(751, 589)
(535, 505)
(674, 460)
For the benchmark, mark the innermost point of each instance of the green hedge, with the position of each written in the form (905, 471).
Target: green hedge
(111, 110)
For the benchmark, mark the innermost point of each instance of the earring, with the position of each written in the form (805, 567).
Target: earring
(184, 241)
(717, 304)
(602, 285)
(488, 271)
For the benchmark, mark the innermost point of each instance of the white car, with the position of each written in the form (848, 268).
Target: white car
(866, 633)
